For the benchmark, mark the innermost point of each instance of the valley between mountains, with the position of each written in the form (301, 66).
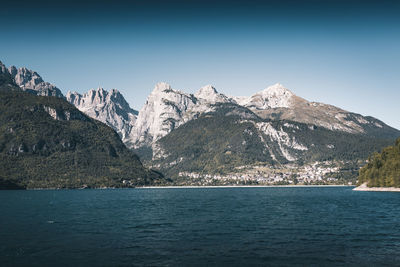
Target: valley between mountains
(206, 138)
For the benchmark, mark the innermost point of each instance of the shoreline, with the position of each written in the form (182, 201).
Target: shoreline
(188, 187)
(235, 186)
(365, 188)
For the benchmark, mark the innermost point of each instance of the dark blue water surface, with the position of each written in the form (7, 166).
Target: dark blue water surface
(204, 226)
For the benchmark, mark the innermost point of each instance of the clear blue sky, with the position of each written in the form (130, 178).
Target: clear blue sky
(345, 53)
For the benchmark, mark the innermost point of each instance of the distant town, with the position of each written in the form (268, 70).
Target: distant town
(317, 173)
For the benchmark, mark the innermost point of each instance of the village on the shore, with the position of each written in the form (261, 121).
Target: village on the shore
(318, 173)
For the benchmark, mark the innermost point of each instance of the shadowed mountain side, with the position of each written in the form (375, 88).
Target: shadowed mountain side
(45, 142)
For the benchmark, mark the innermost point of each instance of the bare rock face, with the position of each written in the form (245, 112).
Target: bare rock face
(275, 96)
(31, 81)
(208, 94)
(166, 109)
(109, 107)
(278, 102)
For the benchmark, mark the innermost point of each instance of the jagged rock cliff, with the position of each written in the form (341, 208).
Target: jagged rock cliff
(108, 107)
(31, 81)
(166, 109)
(45, 142)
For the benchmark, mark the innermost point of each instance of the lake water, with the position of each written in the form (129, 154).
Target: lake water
(203, 226)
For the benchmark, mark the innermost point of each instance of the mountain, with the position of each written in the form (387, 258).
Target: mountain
(209, 95)
(233, 136)
(275, 96)
(208, 132)
(166, 109)
(279, 103)
(31, 81)
(45, 142)
(110, 108)
(382, 169)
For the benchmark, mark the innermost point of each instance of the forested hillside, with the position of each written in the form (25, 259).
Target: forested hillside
(383, 169)
(45, 142)
(232, 136)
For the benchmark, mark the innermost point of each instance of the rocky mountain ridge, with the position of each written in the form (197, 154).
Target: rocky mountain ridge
(273, 126)
(109, 107)
(166, 109)
(29, 80)
(45, 142)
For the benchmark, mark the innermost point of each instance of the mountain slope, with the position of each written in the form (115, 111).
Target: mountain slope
(172, 122)
(279, 103)
(232, 136)
(166, 109)
(45, 142)
(382, 169)
(110, 108)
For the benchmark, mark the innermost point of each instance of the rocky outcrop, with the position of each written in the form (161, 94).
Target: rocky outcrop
(166, 109)
(109, 107)
(208, 94)
(275, 96)
(31, 81)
